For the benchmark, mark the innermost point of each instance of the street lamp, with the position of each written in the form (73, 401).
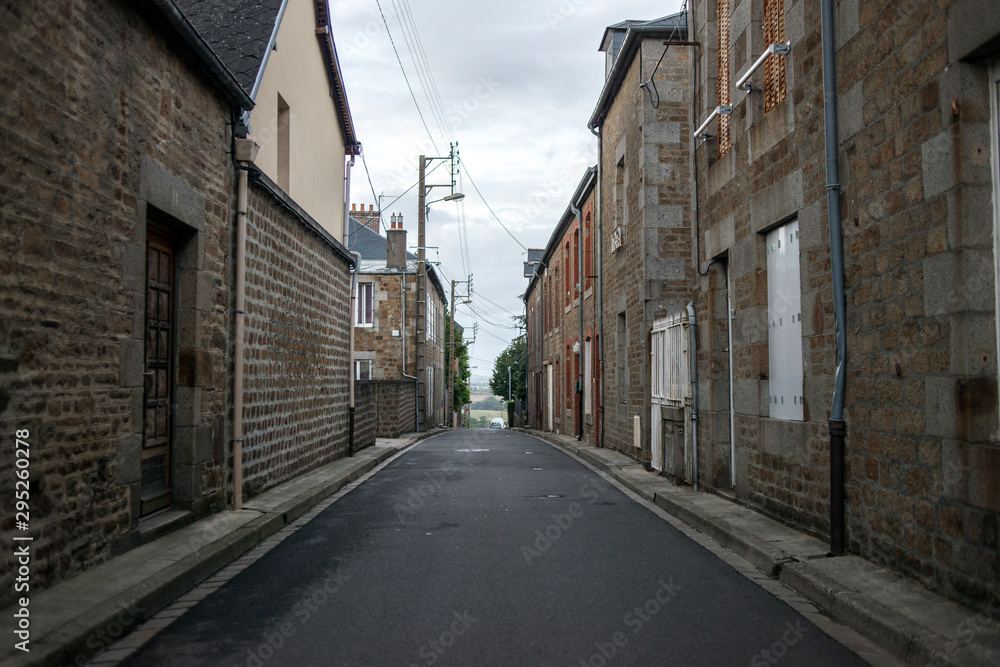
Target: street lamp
(422, 206)
(508, 382)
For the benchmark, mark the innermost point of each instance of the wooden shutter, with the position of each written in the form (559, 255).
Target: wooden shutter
(774, 66)
(725, 141)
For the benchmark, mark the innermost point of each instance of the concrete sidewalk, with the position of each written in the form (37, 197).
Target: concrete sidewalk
(908, 621)
(85, 614)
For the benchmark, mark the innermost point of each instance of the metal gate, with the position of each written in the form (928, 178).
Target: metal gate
(669, 388)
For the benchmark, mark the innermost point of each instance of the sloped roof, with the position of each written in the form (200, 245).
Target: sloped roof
(240, 32)
(368, 244)
(678, 20)
(672, 27)
(583, 190)
(237, 30)
(373, 250)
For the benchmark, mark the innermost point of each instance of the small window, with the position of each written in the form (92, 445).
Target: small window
(364, 317)
(363, 369)
(784, 326)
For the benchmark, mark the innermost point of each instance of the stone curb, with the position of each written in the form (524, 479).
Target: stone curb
(886, 627)
(70, 643)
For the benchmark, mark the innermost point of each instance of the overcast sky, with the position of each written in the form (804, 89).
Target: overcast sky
(518, 81)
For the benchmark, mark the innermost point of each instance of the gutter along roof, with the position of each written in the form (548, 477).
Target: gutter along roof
(238, 35)
(373, 248)
(584, 188)
(674, 26)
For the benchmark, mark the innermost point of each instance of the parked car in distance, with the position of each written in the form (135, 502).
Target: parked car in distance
(497, 423)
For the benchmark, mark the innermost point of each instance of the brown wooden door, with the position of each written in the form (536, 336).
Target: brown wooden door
(158, 399)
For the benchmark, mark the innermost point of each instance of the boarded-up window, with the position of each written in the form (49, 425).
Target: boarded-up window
(724, 138)
(774, 66)
(784, 329)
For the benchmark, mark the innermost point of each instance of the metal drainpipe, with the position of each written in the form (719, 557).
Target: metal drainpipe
(579, 291)
(246, 152)
(350, 355)
(694, 393)
(598, 223)
(838, 428)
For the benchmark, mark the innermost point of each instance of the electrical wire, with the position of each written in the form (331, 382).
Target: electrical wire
(406, 78)
(497, 305)
(649, 85)
(476, 187)
(374, 196)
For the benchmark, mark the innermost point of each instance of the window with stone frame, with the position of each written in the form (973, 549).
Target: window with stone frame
(363, 369)
(774, 66)
(365, 310)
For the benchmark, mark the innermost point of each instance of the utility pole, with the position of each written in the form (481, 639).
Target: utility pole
(421, 301)
(422, 203)
(452, 366)
(450, 400)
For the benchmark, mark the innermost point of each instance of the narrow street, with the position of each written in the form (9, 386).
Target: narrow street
(489, 547)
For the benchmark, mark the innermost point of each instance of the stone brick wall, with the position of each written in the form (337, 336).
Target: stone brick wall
(921, 404)
(297, 326)
(395, 404)
(377, 342)
(645, 189)
(923, 489)
(115, 130)
(773, 172)
(366, 413)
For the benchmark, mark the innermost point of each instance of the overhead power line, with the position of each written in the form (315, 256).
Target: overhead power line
(406, 78)
(476, 187)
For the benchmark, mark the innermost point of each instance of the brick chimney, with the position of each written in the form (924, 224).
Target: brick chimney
(369, 218)
(395, 248)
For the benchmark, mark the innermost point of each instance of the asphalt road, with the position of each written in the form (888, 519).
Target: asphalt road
(490, 547)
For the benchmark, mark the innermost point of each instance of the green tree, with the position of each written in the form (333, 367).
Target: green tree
(461, 395)
(512, 357)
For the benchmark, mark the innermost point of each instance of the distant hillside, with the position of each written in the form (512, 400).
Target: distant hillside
(488, 403)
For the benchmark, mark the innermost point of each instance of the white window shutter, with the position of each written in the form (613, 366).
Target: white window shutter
(784, 305)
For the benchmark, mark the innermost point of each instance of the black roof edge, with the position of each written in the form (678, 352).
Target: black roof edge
(618, 71)
(193, 39)
(586, 184)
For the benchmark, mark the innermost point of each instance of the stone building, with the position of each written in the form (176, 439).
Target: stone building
(385, 321)
(119, 274)
(562, 372)
(643, 119)
(916, 89)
